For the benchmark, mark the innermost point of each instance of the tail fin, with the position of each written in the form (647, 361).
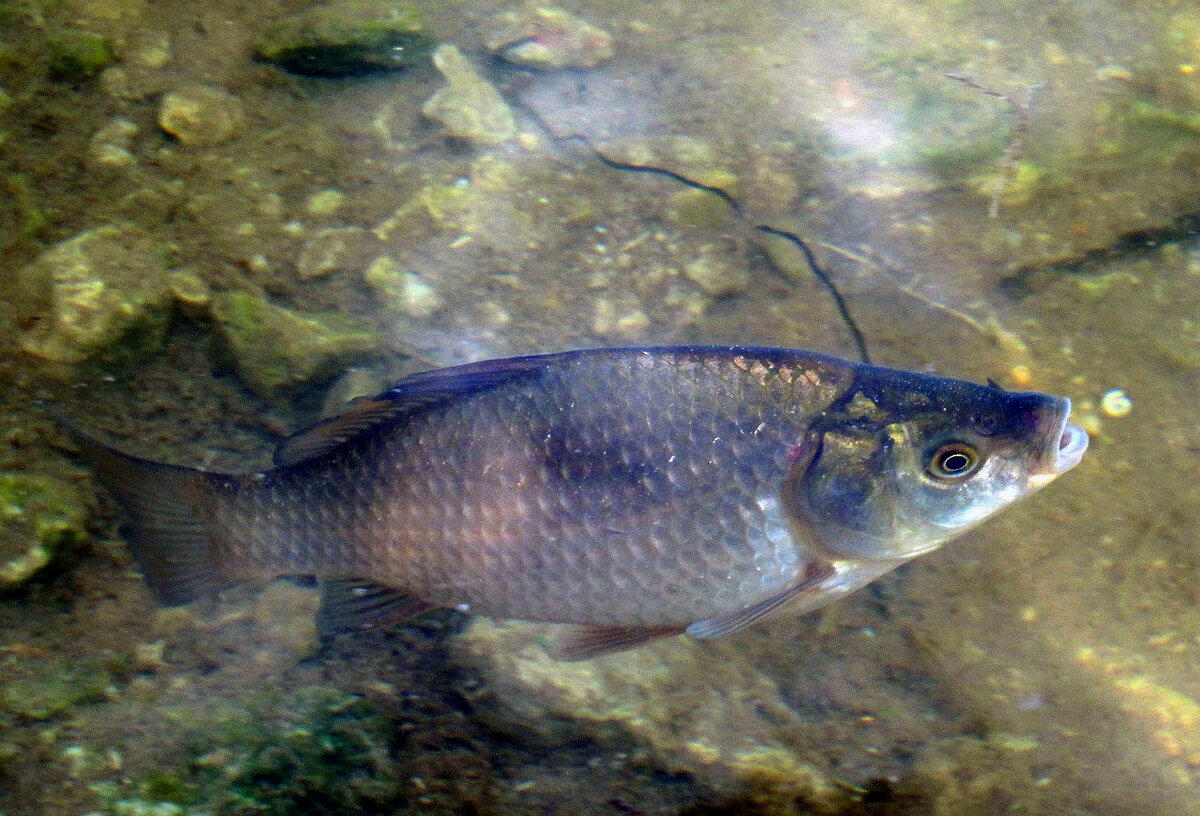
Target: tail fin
(165, 530)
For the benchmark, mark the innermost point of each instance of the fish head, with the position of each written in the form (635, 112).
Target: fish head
(907, 461)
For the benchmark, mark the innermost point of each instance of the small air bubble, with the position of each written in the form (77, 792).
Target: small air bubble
(1116, 404)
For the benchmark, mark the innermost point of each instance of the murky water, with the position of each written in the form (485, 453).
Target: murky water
(195, 294)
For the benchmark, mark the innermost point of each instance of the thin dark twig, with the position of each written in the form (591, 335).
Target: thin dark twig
(809, 258)
(814, 266)
(822, 276)
(659, 171)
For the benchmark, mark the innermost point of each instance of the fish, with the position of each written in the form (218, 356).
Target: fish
(629, 494)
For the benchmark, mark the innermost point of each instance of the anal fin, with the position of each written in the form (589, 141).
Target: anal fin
(585, 642)
(731, 622)
(353, 605)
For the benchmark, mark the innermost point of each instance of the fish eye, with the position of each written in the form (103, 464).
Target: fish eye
(953, 460)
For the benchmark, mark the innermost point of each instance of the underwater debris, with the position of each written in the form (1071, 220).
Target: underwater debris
(1011, 162)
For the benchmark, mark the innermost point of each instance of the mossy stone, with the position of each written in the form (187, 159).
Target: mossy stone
(54, 686)
(26, 201)
(276, 349)
(78, 55)
(108, 294)
(349, 38)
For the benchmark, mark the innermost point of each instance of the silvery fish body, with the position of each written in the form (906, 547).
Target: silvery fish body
(638, 493)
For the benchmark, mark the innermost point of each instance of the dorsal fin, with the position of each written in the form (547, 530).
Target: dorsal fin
(414, 393)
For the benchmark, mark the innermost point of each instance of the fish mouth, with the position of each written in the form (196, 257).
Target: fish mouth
(1063, 447)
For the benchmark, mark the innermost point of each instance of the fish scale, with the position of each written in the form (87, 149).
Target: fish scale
(637, 492)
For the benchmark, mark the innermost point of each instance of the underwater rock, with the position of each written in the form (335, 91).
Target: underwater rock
(402, 291)
(350, 38)
(108, 297)
(191, 292)
(353, 383)
(698, 708)
(544, 37)
(200, 115)
(621, 320)
(109, 147)
(325, 203)
(42, 520)
(286, 616)
(468, 106)
(47, 688)
(434, 209)
(276, 349)
(718, 273)
(333, 249)
(108, 10)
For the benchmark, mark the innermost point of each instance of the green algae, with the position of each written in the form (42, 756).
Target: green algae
(31, 214)
(77, 55)
(949, 131)
(319, 749)
(1165, 120)
(43, 520)
(53, 687)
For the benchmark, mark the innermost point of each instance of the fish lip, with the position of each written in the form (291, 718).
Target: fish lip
(1064, 443)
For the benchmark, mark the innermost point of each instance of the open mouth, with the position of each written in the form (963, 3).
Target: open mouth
(1071, 446)
(1070, 443)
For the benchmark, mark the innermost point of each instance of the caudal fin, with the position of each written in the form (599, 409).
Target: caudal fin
(164, 528)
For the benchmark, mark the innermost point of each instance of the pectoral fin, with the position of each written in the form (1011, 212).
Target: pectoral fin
(732, 622)
(353, 605)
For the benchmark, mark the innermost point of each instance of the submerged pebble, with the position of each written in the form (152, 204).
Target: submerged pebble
(200, 115)
(468, 107)
(402, 291)
(275, 348)
(333, 249)
(191, 292)
(77, 55)
(544, 37)
(718, 273)
(110, 147)
(349, 38)
(108, 294)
